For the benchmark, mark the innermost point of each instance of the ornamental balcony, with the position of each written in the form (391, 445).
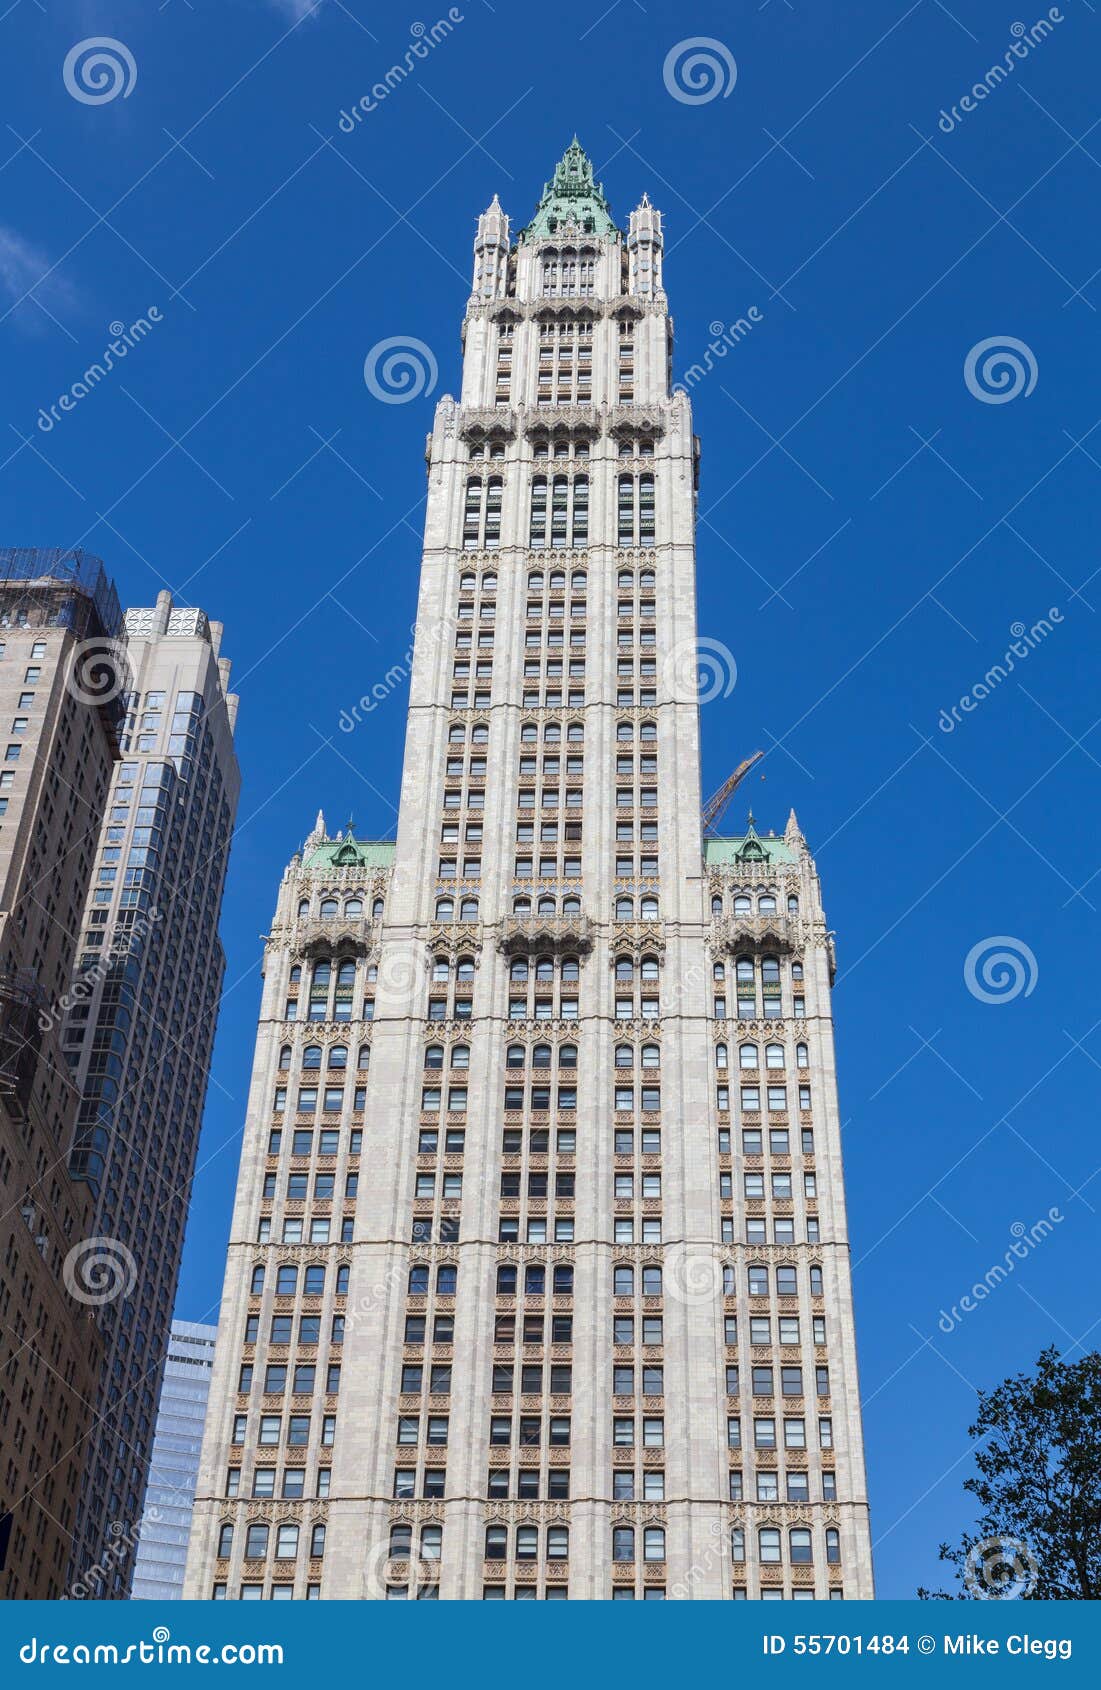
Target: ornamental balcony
(558, 935)
(336, 935)
(759, 933)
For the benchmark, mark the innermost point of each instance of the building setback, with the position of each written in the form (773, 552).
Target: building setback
(174, 1466)
(59, 725)
(139, 1034)
(538, 1277)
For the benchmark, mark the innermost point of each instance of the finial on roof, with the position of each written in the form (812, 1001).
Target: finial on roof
(750, 823)
(571, 197)
(793, 832)
(318, 833)
(349, 831)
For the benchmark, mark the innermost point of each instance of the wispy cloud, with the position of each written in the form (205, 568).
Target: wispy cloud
(23, 270)
(297, 9)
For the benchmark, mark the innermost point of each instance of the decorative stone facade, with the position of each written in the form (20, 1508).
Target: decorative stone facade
(579, 1319)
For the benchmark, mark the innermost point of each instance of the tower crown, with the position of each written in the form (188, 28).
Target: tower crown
(571, 196)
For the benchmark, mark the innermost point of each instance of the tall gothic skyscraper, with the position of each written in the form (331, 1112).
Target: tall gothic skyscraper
(538, 1282)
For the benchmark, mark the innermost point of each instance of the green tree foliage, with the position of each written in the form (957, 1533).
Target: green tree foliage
(1038, 1486)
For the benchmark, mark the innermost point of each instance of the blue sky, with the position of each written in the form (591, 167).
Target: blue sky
(871, 528)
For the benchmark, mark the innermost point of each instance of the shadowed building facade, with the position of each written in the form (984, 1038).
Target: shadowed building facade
(59, 740)
(139, 1035)
(538, 1277)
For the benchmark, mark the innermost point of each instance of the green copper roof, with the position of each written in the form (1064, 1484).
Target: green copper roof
(351, 853)
(749, 848)
(572, 196)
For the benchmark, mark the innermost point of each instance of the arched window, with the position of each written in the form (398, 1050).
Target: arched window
(377, 908)
(353, 906)
(552, 733)
(624, 730)
(623, 1543)
(363, 1060)
(793, 905)
(225, 1540)
(285, 1056)
(648, 908)
(464, 968)
(468, 909)
(515, 1056)
(445, 909)
(770, 970)
(649, 968)
(433, 1056)
(567, 1056)
(651, 1056)
(571, 968)
(546, 904)
(624, 968)
(571, 906)
(648, 731)
(774, 1056)
(743, 970)
(802, 1059)
(544, 968)
(541, 1056)
(716, 906)
(257, 1283)
(624, 1056)
(766, 904)
(742, 905)
(311, 1056)
(748, 1056)
(624, 909)
(521, 906)
(722, 1056)
(303, 908)
(800, 1546)
(329, 908)
(460, 1056)
(338, 1056)
(256, 1540)
(518, 968)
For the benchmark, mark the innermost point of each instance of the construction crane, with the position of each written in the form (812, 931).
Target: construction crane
(716, 804)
